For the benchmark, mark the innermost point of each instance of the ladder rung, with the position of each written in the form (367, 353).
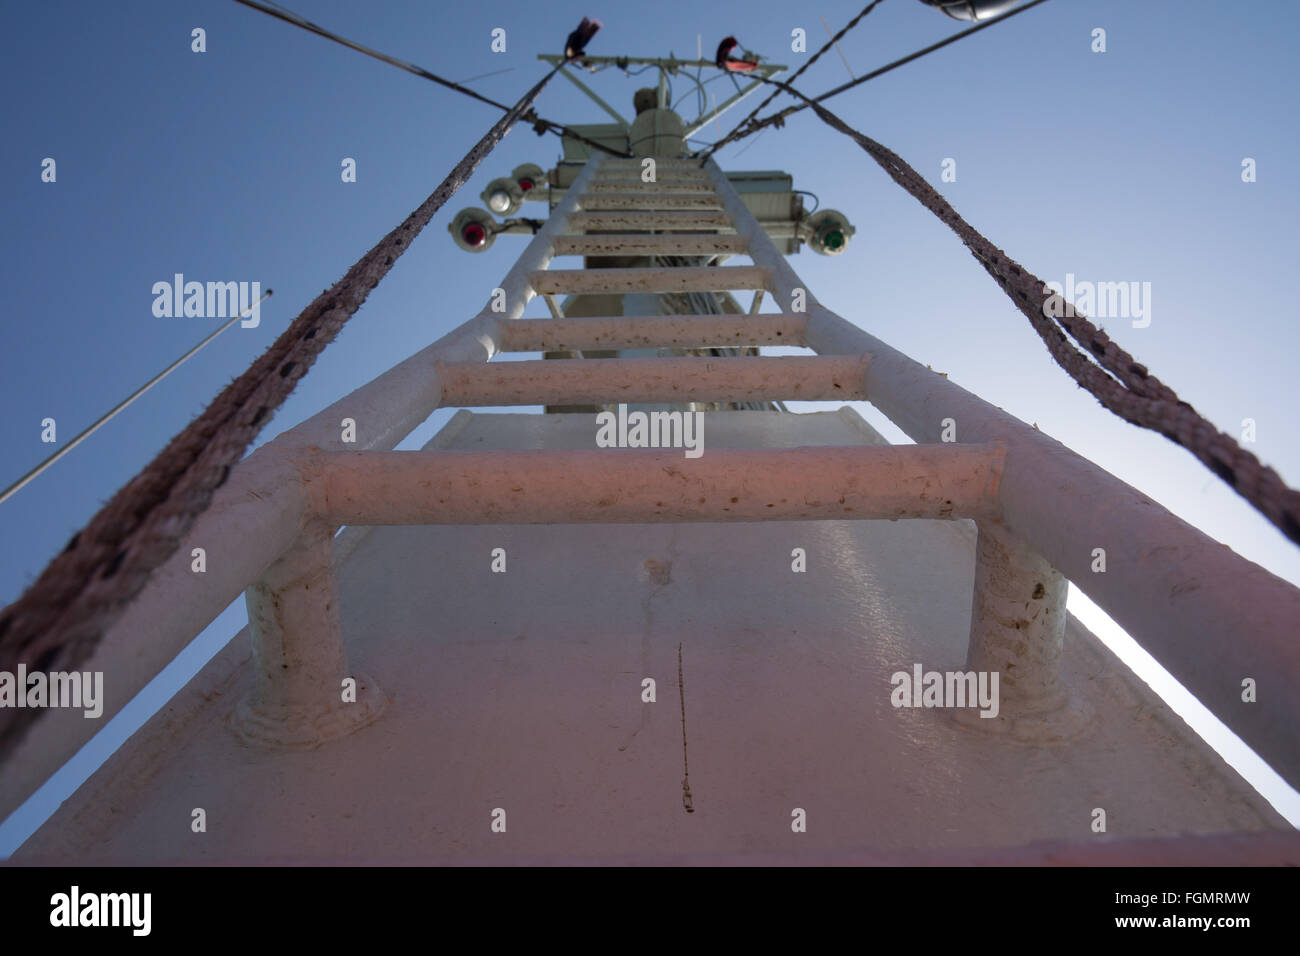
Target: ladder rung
(640, 244)
(665, 279)
(814, 378)
(633, 185)
(661, 162)
(662, 178)
(652, 331)
(650, 199)
(688, 219)
(612, 485)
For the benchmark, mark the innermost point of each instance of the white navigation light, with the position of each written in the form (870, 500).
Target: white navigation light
(503, 196)
(828, 232)
(473, 229)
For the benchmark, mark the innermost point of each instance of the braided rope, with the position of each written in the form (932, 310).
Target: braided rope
(1117, 380)
(62, 616)
(778, 118)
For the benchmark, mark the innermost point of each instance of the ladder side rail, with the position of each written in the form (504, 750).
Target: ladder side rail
(259, 514)
(1210, 616)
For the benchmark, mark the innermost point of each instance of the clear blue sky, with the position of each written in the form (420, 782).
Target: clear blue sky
(1122, 166)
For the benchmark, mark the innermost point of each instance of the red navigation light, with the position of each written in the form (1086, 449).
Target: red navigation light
(474, 234)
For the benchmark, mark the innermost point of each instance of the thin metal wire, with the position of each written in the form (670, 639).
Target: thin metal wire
(61, 617)
(281, 12)
(747, 126)
(1120, 383)
(27, 478)
(734, 134)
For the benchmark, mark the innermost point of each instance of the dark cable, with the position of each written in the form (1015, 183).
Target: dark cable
(281, 12)
(1115, 379)
(779, 118)
(816, 198)
(799, 72)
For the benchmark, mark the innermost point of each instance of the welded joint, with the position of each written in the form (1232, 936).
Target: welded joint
(304, 693)
(1017, 631)
(997, 467)
(860, 371)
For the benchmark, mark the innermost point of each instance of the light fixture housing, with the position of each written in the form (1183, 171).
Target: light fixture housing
(473, 229)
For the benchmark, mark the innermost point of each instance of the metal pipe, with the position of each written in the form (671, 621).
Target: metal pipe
(253, 518)
(257, 515)
(645, 485)
(632, 164)
(690, 219)
(642, 245)
(667, 279)
(595, 98)
(688, 178)
(625, 186)
(299, 697)
(650, 200)
(120, 406)
(393, 405)
(578, 381)
(1211, 617)
(1017, 621)
(652, 331)
(704, 119)
(1017, 631)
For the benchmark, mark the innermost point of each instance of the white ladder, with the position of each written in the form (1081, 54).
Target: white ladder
(1043, 512)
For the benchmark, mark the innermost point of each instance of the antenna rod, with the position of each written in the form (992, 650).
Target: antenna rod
(25, 479)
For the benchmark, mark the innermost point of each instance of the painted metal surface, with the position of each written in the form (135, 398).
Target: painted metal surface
(628, 188)
(700, 379)
(658, 200)
(639, 245)
(1164, 581)
(1018, 630)
(259, 514)
(682, 279)
(298, 698)
(646, 485)
(797, 677)
(651, 331)
(686, 219)
(522, 691)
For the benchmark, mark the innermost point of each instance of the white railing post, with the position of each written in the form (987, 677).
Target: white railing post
(1211, 617)
(303, 692)
(1017, 630)
(300, 664)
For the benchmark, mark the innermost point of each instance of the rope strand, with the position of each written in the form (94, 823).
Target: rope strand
(62, 616)
(1119, 382)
